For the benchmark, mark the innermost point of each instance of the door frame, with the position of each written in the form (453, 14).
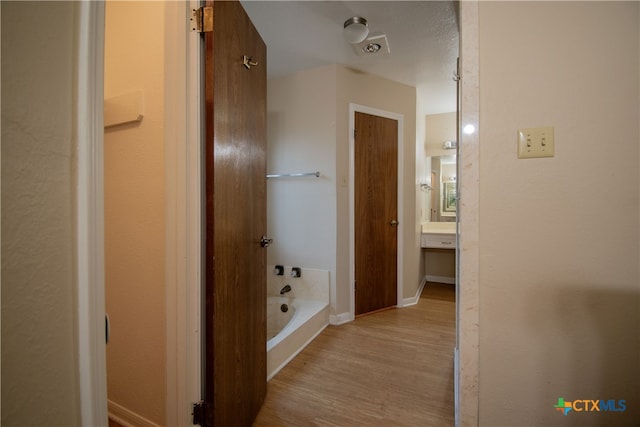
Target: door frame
(89, 212)
(184, 245)
(183, 130)
(353, 109)
(89, 223)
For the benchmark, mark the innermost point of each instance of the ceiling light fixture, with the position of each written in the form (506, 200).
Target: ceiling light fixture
(355, 29)
(469, 129)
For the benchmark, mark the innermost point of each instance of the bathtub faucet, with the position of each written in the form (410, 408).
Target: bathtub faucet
(287, 288)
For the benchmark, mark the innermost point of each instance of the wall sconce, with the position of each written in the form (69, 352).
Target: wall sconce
(449, 145)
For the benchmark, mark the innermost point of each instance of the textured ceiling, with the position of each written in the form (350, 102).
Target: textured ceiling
(422, 35)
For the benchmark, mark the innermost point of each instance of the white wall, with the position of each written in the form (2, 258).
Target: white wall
(439, 128)
(423, 165)
(423, 169)
(135, 212)
(39, 377)
(375, 92)
(308, 218)
(559, 276)
(301, 138)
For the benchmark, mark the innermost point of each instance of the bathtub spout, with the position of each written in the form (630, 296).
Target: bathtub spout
(287, 288)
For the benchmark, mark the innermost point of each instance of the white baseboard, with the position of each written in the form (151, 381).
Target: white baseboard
(127, 418)
(441, 279)
(406, 302)
(340, 319)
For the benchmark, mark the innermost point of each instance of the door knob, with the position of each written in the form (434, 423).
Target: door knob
(394, 223)
(265, 242)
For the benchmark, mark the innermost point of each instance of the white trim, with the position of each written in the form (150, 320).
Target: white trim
(89, 80)
(353, 108)
(194, 227)
(127, 418)
(340, 319)
(406, 302)
(183, 213)
(441, 279)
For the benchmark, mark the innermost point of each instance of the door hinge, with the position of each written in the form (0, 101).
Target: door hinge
(198, 413)
(201, 20)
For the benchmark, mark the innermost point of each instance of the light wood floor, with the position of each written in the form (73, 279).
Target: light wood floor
(393, 368)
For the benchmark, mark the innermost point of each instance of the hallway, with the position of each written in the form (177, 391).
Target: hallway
(390, 368)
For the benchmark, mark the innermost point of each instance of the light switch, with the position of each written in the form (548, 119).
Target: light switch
(536, 142)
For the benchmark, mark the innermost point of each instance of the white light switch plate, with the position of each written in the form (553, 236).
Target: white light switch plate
(536, 142)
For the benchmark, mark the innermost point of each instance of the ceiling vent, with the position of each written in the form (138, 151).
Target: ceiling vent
(374, 45)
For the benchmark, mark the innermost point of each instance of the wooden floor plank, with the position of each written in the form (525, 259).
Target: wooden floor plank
(393, 368)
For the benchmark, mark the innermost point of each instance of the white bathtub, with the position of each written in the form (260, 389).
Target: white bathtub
(308, 319)
(277, 319)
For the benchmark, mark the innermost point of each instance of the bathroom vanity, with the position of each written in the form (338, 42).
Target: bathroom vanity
(439, 235)
(438, 240)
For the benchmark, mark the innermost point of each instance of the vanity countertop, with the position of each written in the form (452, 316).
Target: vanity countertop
(438, 235)
(438, 228)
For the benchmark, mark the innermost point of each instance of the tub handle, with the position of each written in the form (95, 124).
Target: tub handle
(265, 242)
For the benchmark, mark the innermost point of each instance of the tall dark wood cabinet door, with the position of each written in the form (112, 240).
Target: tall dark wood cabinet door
(376, 212)
(235, 276)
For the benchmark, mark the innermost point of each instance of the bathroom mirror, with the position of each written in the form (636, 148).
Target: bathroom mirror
(441, 198)
(440, 150)
(449, 197)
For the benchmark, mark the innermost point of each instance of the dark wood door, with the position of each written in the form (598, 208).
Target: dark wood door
(235, 276)
(376, 211)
